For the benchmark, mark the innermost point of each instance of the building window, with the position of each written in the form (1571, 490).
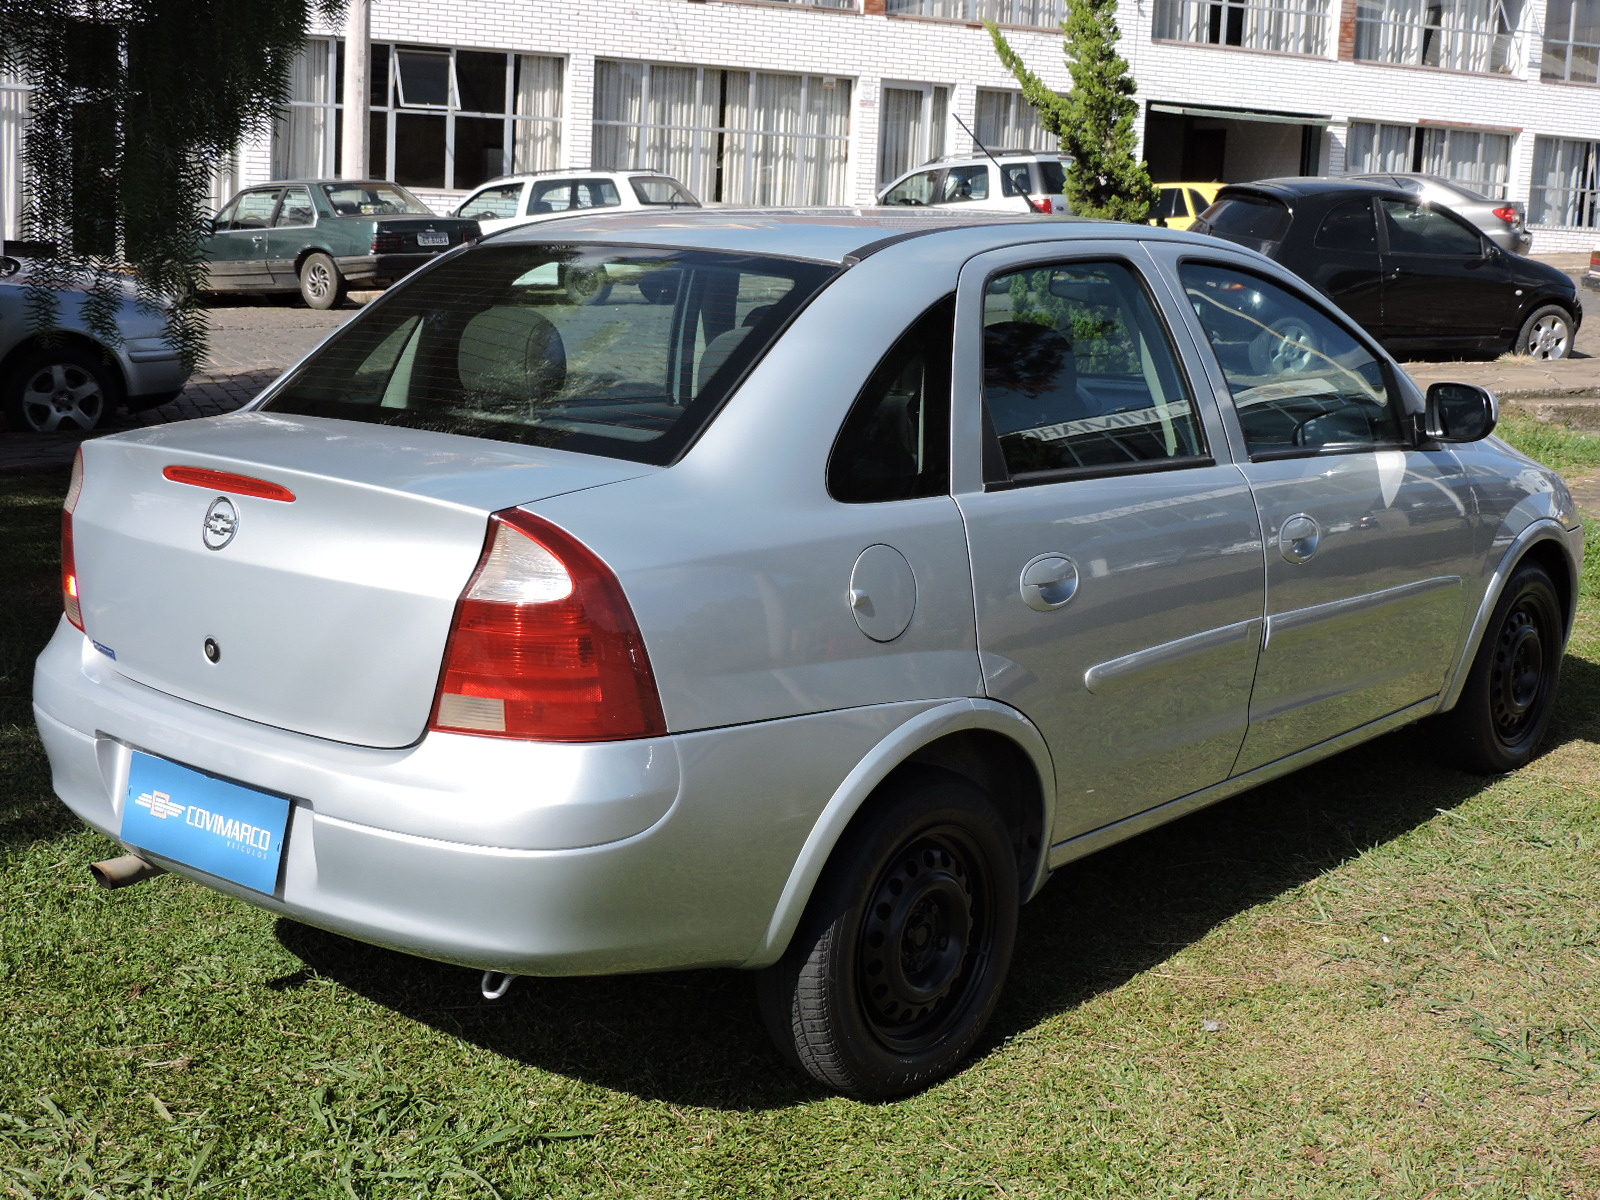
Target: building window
(1005, 120)
(440, 118)
(1038, 14)
(13, 122)
(1283, 26)
(913, 119)
(1459, 35)
(844, 5)
(1474, 158)
(1572, 41)
(743, 137)
(1566, 183)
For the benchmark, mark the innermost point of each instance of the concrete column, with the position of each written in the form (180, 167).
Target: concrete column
(357, 94)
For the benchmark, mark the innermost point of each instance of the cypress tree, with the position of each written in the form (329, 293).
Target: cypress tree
(1094, 121)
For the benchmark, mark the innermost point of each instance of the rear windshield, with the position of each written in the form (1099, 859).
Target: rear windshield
(373, 200)
(1251, 221)
(619, 351)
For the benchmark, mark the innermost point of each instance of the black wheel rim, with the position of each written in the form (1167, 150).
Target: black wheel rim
(1520, 674)
(925, 940)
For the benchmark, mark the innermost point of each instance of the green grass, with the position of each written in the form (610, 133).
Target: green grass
(1375, 978)
(1567, 451)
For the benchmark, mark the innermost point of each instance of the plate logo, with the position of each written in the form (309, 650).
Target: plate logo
(221, 523)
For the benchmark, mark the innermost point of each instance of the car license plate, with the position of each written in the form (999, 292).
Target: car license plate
(219, 827)
(432, 237)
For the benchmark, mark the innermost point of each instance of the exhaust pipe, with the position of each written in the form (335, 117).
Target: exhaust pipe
(120, 872)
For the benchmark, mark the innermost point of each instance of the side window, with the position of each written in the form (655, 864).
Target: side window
(1079, 373)
(1301, 382)
(1170, 203)
(597, 193)
(493, 203)
(1349, 226)
(550, 197)
(1197, 203)
(1014, 180)
(1413, 229)
(915, 189)
(966, 183)
(254, 209)
(895, 444)
(296, 208)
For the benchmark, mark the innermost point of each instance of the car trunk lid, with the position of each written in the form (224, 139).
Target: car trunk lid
(297, 571)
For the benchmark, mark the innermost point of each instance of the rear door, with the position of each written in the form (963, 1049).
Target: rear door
(1345, 264)
(1116, 564)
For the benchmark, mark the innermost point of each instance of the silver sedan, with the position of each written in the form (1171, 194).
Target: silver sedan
(797, 597)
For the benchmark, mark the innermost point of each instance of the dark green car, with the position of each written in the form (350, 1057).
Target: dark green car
(321, 237)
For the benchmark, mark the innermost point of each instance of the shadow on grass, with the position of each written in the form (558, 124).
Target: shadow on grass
(695, 1037)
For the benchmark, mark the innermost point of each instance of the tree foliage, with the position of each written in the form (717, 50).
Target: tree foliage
(135, 104)
(1094, 121)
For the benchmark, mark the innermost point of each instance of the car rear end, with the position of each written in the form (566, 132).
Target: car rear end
(1252, 218)
(362, 656)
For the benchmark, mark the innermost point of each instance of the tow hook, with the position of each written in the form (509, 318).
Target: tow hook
(495, 984)
(120, 872)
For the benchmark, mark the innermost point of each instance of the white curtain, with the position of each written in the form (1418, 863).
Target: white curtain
(1004, 120)
(1480, 161)
(302, 142)
(536, 138)
(1372, 147)
(13, 121)
(900, 133)
(1565, 187)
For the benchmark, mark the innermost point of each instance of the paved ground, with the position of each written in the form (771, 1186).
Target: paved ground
(252, 340)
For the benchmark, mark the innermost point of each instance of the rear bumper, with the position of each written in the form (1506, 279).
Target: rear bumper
(382, 269)
(531, 858)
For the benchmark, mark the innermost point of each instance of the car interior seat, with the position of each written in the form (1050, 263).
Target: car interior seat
(512, 352)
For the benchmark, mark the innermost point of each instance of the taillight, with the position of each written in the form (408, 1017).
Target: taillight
(545, 646)
(69, 566)
(388, 243)
(1507, 214)
(1045, 206)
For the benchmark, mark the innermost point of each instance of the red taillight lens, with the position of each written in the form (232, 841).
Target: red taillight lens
(545, 646)
(1507, 214)
(227, 481)
(69, 565)
(388, 243)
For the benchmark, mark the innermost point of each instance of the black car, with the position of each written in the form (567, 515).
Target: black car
(1419, 278)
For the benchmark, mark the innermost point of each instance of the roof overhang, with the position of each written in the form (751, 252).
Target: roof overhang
(1242, 114)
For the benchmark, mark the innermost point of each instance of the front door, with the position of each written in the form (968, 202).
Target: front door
(236, 253)
(1117, 567)
(1368, 537)
(1444, 285)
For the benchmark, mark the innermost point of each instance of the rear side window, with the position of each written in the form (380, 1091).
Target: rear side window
(1079, 375)
(1053, 176)
(895, 444)
(1349, 226)
(610, 350)
(966, 183)
(1252, 221)
(1415, 229)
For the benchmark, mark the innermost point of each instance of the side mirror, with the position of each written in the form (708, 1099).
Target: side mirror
(1460, 412)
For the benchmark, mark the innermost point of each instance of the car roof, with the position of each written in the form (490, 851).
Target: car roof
(828, 235)
(1294, 186)
(523, 176)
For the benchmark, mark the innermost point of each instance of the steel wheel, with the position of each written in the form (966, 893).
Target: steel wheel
(901, 955)
(1546, 335)
(62, 389)
(1510, 691)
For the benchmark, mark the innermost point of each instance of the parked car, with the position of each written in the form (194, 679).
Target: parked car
(1179, 204)
(1591, 277)
(321, 237)
(73, 378)
(1417, 276)
(524, 199)
(799, 608)
(1503, 222)
(982, 184)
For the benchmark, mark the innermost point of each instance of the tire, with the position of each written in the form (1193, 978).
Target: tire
(585, 285)
(321, 285)
(899, 960)
(1546, 334)
(1287, 347)
(1510, 691)
(59, 388)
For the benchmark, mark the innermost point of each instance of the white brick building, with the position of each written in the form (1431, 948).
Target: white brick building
(817, 101)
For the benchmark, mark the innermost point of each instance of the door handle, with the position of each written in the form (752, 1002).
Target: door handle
(1048, 582)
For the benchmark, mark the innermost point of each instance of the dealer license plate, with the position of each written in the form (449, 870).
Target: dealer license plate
(432, 237)
(222, 828)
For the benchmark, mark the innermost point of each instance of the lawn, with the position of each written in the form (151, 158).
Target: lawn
(1376, 978)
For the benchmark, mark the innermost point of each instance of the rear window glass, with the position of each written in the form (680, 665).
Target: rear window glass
(619, 351)
(1053, 176)
(1248, 220)
(659, 190)
(373, 200)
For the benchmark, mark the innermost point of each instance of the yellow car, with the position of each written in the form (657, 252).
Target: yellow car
(1181, 203)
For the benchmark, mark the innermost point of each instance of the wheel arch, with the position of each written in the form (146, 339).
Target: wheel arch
(991, 745)
(1546, 543)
